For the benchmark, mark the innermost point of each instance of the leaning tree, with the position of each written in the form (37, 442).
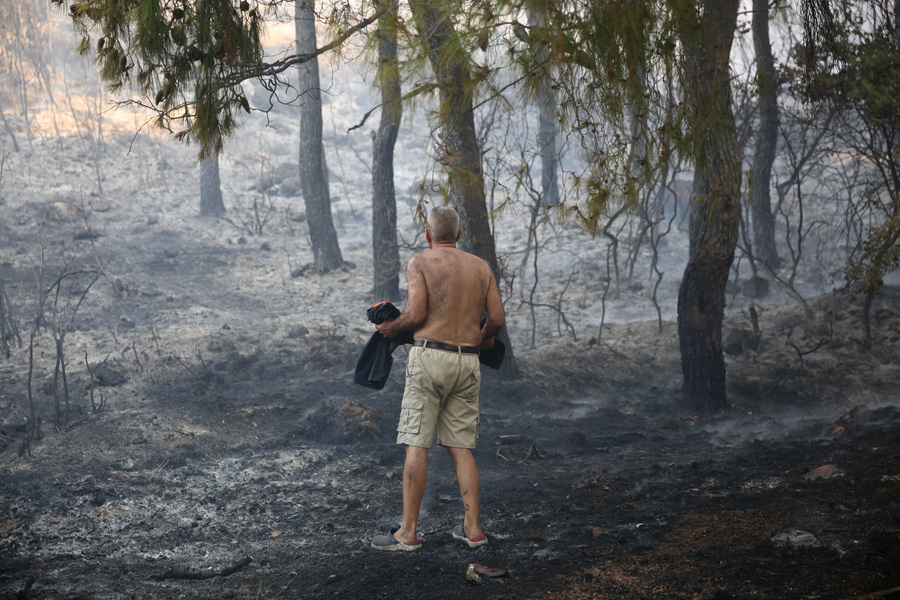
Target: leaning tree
(611, 64)
(385, 251)
(459, 151)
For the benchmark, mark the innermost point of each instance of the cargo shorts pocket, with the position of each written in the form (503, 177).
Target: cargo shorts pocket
(411, 413)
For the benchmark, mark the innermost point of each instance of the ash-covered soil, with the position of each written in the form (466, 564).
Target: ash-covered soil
(238, 460)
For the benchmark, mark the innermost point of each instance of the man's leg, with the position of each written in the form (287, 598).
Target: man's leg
(415, 476)
(467, 476)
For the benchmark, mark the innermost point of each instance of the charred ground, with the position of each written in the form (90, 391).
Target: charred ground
(609, 494)
(238, 434)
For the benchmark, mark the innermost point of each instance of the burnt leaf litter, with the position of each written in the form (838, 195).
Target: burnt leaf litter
(232, 457)
(240, 488)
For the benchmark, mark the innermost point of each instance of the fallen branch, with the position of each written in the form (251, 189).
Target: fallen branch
(188, 369)
(206, 572)
(162, 465)
(516, 454)
(490, 572)
(875, 595)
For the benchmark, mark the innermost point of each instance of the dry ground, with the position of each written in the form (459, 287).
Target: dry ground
(238, 435)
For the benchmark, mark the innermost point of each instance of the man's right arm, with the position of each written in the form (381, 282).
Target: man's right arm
(495, 317)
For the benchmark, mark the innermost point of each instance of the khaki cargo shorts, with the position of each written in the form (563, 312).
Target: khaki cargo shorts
(441, 391)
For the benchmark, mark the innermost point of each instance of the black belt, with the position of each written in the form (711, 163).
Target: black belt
(423, 343)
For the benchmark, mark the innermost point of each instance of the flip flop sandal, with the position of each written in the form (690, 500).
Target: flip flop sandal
(474, 542)
(389, 543)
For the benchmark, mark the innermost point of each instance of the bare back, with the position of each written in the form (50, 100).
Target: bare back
(458, 288)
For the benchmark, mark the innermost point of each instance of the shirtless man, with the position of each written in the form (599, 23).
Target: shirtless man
(449, 290)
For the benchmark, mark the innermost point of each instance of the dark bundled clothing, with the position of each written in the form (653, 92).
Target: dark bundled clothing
(381, 312)
(493, 358)
(374, 364)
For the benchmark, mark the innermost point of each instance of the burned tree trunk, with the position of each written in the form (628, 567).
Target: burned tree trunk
(548, 127)
(766, 139)
(211, 204)
(715, 212)
(385, 254)
(897, 20)
(9, 332)
(547, 132)
(313, 180)
(10, 131)
(460, 153)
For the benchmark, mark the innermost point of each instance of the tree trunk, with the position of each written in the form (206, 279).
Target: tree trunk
(548, 128)
(211, 204)
(547, 132)
(459, 152)
(313, 182)
(897, 20)
(9, 130)
(759, 198)
(385, 253)
(715, 213)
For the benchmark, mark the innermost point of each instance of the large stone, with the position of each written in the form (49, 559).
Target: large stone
(106, 376)
(733, 342)
(755, 287)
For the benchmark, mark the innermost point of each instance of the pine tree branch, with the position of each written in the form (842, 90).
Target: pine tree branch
(282, 65)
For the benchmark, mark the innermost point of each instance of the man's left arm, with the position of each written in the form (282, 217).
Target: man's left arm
(495, 317)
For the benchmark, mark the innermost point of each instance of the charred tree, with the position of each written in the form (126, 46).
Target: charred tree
(715, 212)
(10, 131)
(548, 128)
(9, 332)
(313, 179)
(211, 204)
(459, 151)
(385, 253)
(547, 132)
(759, 197)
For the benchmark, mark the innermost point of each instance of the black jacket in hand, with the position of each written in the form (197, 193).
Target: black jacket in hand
(374, 364)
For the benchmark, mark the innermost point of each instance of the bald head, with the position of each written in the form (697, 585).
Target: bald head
(444, 224)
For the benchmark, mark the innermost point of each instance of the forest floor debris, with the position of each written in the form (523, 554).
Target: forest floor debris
(236, 431)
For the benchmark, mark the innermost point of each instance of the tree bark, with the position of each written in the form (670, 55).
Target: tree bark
(459, 152)
(9, 130)
(547, 133)
(715, 213)
(548, 128)
(211, 204)
(385, 253)
(313, 181)
(897, 20)
(759, 197)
